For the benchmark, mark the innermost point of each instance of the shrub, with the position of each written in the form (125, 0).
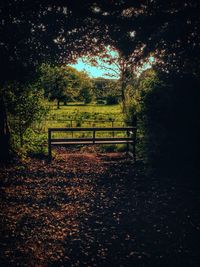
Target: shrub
(101, 102)
(25, 105)
(113, 148)
(78, 123)
(36, 143)
(168, 108)
(112, 100)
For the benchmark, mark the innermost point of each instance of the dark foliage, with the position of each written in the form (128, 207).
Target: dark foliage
(171, 125)
(112, 100)
(46, 31)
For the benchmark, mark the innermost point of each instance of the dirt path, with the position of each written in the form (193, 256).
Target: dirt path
(95, 210)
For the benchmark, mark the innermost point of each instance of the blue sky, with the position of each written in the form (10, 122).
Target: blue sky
(95, 71)
(102, 69)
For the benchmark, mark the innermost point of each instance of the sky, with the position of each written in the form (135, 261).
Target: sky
(103, 69)
(93, 71)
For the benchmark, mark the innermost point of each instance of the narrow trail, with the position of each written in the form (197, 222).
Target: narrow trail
(92, 209)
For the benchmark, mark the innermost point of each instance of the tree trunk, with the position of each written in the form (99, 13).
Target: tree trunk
(123, 89)
(4, 133)
(58, 104)
(21, 140)
(123, 86)
(21, 133)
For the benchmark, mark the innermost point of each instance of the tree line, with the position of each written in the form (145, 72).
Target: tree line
(66, 84)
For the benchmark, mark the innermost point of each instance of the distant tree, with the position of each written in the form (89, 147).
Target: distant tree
(119, 66)
(60, 83)
(86, 94)
(112, 100)
(100, 87)
(86, 88)
(113, 92)
(104, 88)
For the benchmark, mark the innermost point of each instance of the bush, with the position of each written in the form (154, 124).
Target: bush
(86, 94)
(113, 148)
(36, 143)
(172, 123)
(168, 109)
(78, 123)
(101, 102)
(25, 105)
(112, 100)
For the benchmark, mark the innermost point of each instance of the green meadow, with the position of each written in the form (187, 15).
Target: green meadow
(80, 115)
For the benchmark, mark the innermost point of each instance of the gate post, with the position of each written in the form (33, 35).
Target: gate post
(134, 144)
(94, 137)
(49, 145)
(127, 143)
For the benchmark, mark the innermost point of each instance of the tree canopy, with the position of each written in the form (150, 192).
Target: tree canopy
(63, 30)
(65, 83)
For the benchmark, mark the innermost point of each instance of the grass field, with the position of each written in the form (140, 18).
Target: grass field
(79, 115)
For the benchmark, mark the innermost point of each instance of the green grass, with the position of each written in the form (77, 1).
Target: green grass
(79, 115)
(74, 108)
(87, 112)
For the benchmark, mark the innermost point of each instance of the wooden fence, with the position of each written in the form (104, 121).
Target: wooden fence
(128, 138)
(70, 123)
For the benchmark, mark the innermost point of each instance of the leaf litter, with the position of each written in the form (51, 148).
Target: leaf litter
(94, 209)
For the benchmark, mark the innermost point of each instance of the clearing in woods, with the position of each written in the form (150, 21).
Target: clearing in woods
(94, 209)
(80, 115)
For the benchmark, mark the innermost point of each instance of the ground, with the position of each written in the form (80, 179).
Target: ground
(95, 209)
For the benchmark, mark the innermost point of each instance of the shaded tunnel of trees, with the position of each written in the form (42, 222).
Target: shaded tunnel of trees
(166, 102)
(101, 209)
